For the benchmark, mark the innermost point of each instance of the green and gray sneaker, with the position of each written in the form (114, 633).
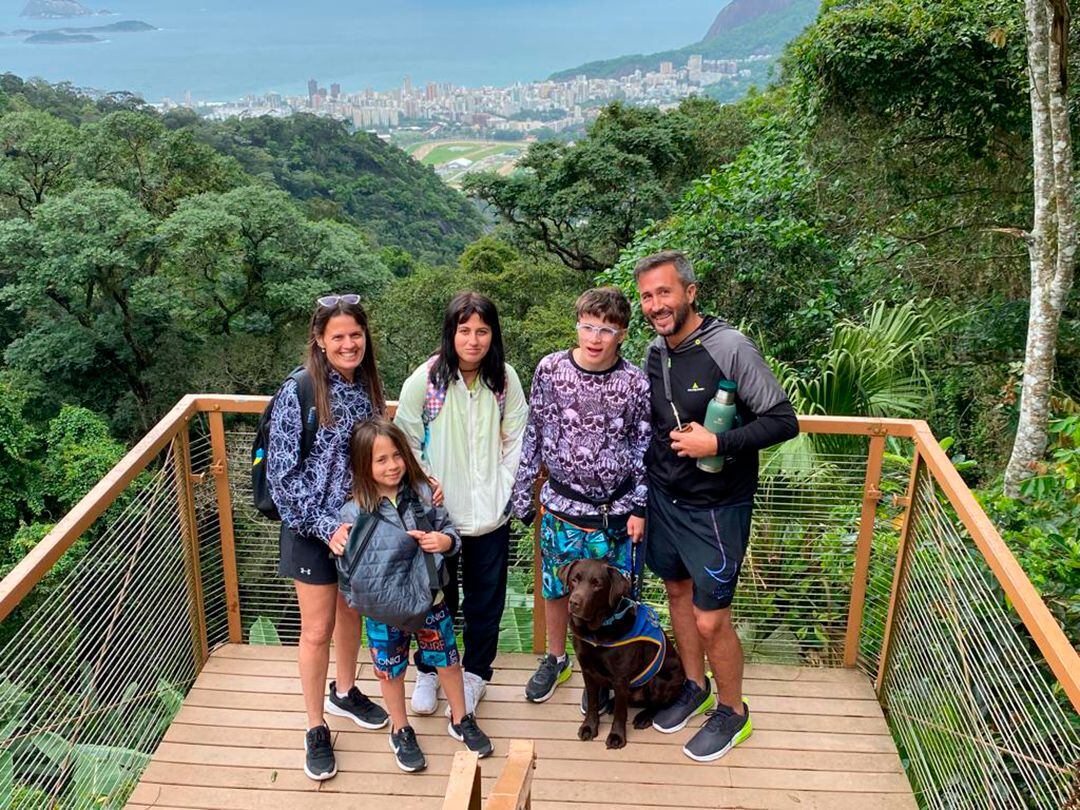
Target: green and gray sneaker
(691, 700)
(721, 732)
(548, 675)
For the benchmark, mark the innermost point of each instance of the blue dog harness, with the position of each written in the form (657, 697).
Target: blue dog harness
(646, 628)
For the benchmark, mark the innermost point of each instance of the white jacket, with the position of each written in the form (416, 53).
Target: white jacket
(474, 457)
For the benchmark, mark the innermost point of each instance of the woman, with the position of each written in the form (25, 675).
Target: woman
(464, 413)
(309, 493)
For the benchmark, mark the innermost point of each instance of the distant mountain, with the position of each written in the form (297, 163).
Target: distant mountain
(743, 28)
(55, 9)
(740, 12)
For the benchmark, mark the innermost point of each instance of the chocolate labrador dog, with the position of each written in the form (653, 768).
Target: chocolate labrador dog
(621, 646)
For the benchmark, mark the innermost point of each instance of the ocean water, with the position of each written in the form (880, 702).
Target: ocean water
(223, 50)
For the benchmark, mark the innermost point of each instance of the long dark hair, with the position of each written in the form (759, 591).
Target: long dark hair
(319, 367)
(492, 368)
(361, 445)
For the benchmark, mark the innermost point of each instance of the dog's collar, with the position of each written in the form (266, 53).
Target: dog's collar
(625, 605)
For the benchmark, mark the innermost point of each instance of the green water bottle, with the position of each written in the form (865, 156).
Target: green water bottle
(719, 416)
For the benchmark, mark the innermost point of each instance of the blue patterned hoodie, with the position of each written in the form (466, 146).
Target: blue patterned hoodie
(310, 495)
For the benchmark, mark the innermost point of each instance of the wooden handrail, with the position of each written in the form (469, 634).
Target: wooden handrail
(31, 568)
(1046, 632)
(871, 496)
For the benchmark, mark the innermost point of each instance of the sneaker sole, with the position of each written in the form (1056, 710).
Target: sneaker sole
(564, 676)
(607, 708)
(707, 704)
(743, 734)
(402, 765)
(320, 777)
(330, 708)
(415, 710)
(480, 754)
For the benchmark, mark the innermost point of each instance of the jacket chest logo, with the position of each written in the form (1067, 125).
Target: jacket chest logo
(694, 388)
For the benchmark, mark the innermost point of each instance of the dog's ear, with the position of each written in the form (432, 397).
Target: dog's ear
(564, 573)
(618, 586)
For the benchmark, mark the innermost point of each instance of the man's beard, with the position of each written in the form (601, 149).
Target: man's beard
(678, 320)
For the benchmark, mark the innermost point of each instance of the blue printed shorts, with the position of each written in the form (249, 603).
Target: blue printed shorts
(561, 543)
(390, 645)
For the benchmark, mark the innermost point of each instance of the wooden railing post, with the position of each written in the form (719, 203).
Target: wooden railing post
(189, 532)
(220, 469)
(899, 572)
(871, 496)
(463, 789)
(513, 789)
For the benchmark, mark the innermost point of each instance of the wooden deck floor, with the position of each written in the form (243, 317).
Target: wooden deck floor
(819, 741)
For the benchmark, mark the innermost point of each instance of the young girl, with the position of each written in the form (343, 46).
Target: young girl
(387, 482)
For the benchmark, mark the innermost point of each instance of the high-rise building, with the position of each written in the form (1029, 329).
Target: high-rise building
(693, 64)
(312, 89)
(335, 90)
(666, 68)
(431, 92)
(406, 86)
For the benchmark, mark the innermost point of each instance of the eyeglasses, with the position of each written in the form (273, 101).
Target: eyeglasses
(603, 332)
(334, 300)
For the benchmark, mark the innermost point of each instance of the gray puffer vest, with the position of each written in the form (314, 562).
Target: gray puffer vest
(383, 573)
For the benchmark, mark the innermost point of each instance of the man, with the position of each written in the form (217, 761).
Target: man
(699, 522)
(589, 425)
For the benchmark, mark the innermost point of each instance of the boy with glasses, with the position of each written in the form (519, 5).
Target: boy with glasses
(589, 425)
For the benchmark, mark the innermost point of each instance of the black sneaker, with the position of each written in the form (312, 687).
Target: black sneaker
(721, 732)
(319, 762)
(548, 675)
(407, 750)
(607, 702)
(691, 700)
(469, 733)
(357, 707)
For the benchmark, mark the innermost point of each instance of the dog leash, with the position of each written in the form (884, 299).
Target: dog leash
(637, 568)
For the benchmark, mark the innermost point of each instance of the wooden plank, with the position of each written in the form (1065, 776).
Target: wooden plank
(241, 685)
(515, 674)
(529, 728)
(871, 496)
(239, 403)
(857, 426)
(37, 562)
(667, 749)
(566, 755)
(220, 470)
(463, 786)
(513, 789)
(1045, 631)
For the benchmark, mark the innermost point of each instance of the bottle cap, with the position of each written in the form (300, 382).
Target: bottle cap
(728, 385)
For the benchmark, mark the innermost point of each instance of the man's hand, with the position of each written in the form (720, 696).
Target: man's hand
(339, 538)
(432, 541)
(437, 493)
(694, 442)
(635, 527)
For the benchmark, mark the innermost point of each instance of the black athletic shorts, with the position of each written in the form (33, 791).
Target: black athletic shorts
(307, 559)
(704, 545)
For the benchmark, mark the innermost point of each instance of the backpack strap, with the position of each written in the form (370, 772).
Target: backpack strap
(435, 398)
(309, 413)
(424, 525)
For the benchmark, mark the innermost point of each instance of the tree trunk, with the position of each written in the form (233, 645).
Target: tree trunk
(1053, 238)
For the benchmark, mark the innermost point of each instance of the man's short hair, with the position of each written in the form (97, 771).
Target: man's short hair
(675, 257)
(606, 303)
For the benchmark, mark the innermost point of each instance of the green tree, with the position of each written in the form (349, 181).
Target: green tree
(36, 154)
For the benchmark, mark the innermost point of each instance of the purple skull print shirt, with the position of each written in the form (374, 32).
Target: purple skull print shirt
(590, 429)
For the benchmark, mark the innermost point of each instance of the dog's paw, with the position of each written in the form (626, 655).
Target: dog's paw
(586, 732)
(616, 740)
(643, 719)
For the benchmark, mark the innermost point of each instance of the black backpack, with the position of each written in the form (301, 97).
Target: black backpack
(260, 488)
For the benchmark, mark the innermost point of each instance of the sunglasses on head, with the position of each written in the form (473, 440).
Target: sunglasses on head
(334, 300)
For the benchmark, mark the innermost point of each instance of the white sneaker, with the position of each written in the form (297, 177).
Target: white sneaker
(475, 687)
(425, 696)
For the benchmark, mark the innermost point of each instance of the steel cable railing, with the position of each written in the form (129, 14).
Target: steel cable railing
(973, 712)
(90, 683)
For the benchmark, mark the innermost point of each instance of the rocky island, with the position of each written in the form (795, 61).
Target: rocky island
(57, 9)
(80, 36)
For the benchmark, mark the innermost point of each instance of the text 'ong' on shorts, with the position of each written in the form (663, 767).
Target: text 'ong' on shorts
(705, 545)
(307, 559)
(561, 543)
(390, 645)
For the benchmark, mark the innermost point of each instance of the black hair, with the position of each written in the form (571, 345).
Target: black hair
(493, 367)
